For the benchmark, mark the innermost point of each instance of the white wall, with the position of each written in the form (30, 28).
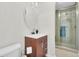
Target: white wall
(13, 28)
(11, 23)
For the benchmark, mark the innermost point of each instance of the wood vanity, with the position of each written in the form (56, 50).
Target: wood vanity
(38, 44)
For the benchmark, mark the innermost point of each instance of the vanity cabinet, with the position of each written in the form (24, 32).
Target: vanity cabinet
(39, 46)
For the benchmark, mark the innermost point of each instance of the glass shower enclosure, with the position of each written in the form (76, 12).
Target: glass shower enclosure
(66, 27)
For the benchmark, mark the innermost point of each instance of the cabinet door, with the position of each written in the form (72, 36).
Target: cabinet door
(40, 51)
(30, 42)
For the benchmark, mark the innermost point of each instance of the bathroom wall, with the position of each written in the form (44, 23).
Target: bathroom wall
(12, 27)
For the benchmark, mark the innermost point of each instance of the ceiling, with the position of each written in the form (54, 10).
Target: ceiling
(63, 5)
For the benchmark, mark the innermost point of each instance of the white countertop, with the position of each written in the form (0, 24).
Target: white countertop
(36, 36)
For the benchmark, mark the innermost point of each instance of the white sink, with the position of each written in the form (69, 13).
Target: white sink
(36, 36)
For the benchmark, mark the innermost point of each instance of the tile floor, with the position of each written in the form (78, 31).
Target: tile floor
(65, 53)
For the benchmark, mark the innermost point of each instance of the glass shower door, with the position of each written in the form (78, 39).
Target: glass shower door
(68, 27)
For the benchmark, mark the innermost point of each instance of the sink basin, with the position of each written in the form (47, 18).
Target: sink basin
(36, 36)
